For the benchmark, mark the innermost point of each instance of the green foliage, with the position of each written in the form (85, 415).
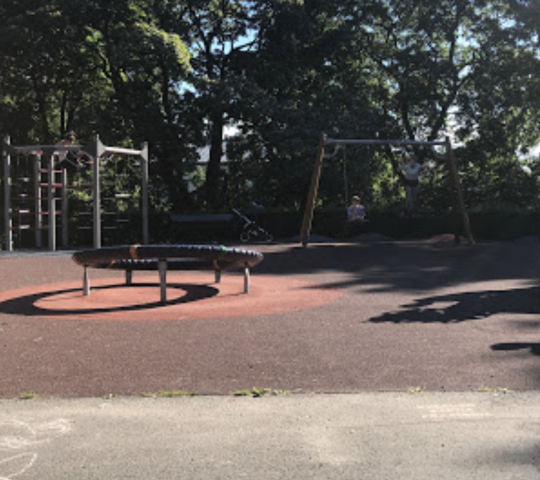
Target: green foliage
(503, 390)
(27, 396)
(259, 392)
(177, 73)
(169, 394)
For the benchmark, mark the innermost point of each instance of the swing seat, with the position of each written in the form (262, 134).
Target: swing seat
(356, 227)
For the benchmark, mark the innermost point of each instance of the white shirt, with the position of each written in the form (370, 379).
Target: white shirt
(412, 172)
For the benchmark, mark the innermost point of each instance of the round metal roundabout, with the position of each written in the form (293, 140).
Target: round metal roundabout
(167, 257)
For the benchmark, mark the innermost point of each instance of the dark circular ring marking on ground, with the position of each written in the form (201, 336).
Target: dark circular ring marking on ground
(193, 296)
(112, 299)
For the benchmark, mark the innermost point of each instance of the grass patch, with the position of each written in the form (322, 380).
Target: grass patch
(260, 392)
(27, 396)
(494, 390)
(169, 394)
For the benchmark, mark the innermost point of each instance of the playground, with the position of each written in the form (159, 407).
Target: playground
(366, 315)
(310, 315)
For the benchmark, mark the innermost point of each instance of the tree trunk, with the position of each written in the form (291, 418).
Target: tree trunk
(213, 170)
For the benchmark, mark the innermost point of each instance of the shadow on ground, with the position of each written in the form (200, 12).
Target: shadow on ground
(532, 347)
(461, 307)
(26, 305)
(402, 266)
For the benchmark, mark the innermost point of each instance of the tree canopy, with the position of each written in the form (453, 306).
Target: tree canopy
(180, 73)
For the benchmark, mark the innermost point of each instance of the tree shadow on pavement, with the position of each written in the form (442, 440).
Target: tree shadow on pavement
(468, 306)
(532, 347)
(402, 266)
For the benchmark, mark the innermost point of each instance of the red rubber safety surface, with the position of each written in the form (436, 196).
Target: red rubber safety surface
(189, 297)
(368, 316)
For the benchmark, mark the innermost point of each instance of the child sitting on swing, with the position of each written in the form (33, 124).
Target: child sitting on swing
(356, 212)
(411, 172)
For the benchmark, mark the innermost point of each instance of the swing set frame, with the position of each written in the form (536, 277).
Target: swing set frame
(316, 175)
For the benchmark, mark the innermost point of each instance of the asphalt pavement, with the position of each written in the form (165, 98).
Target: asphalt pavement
(407, 436)
(426, 367)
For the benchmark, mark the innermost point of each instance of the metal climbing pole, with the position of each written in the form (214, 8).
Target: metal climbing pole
(144, 174)
(42, 200)
(7, 196)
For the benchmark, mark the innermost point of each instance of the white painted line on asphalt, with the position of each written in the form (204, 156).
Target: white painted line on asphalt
(452, 411)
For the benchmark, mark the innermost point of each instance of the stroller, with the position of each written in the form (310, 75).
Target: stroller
(252, 231)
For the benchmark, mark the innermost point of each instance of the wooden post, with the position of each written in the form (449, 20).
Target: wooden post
(312, 194)
(459, 192)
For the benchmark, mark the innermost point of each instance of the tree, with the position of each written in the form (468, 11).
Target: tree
(282, 71)
(46, 72)
(456, 67)
(143, 59)
(305, 81)
(221, 33)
